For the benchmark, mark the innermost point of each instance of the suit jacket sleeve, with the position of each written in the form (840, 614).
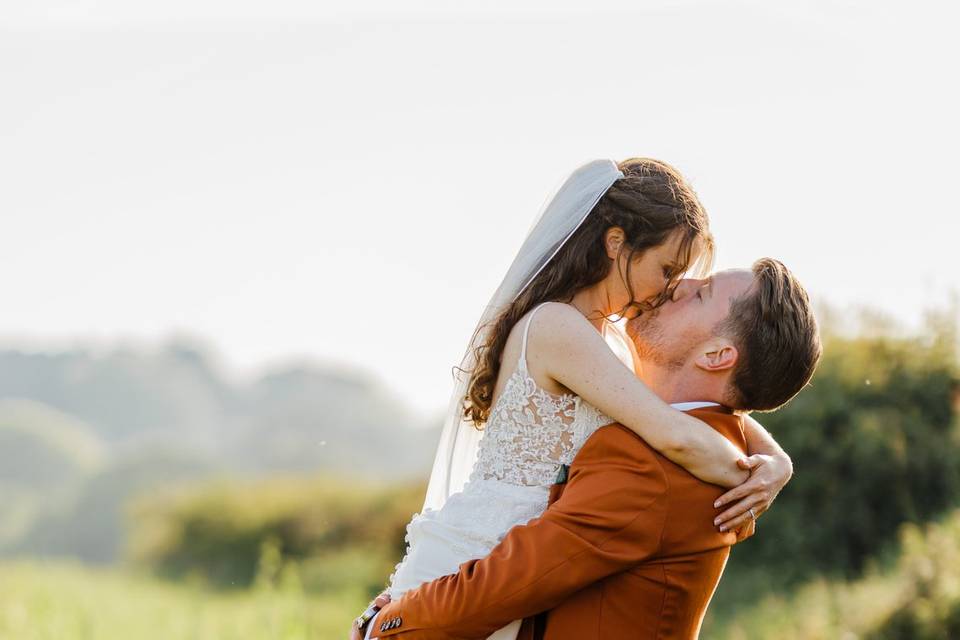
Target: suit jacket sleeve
(610, 517)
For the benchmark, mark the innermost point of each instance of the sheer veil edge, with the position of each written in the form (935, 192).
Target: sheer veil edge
(560, 216)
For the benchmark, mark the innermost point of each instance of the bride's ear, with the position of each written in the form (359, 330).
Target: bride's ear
(718, 358)
(613, 240)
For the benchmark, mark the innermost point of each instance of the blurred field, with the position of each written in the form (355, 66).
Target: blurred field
(917, 598)
(42, 600)
(123, 538)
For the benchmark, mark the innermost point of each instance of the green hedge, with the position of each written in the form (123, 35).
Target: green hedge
(875, 442)
(339, 533)
(916, 598)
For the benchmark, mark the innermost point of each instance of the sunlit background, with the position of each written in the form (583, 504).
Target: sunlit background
(245, 242)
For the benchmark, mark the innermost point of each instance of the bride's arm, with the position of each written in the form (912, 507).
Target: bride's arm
(574, 354)
(759, 441)
(770, 470)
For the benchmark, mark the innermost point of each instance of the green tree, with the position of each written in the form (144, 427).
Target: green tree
(875, 442)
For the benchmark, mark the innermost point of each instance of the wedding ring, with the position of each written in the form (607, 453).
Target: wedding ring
(753, 514)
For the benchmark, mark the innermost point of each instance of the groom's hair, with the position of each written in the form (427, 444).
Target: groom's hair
(776, 334)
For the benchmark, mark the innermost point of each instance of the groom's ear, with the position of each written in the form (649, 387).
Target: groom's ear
(718, 357)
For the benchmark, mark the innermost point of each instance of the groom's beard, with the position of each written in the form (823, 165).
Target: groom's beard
(653, 346)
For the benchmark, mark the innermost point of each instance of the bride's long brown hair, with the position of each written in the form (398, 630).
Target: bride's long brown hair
(649, 203)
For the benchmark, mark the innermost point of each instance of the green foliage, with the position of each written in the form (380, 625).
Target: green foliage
(917, 598)
(929, 578)
(875, 442)
(228, 533)
(876, 446)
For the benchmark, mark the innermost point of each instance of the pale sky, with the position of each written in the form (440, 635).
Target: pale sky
(290, 179)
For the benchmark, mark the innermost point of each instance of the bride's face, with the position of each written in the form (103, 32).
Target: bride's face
(654, 270)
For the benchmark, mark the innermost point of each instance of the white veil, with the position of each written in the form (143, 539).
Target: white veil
(561, 214)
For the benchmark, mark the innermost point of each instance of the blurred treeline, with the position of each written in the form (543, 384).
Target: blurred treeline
(83, 432)
(875, 442)
(864, 542)
(325, 533)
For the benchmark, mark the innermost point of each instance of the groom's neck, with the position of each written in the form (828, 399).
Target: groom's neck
(680, 384)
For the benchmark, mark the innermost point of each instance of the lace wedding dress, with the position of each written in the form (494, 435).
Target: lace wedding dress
(529, 434)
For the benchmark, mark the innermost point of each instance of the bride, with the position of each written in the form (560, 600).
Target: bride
(547, 366)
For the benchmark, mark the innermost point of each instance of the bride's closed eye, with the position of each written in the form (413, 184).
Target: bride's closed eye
(670, 271)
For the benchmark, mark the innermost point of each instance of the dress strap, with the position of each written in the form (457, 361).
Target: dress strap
(526, 330)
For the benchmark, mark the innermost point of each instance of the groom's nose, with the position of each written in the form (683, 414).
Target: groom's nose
(685, 288)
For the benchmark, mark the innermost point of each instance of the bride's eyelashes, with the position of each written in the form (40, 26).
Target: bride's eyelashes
(672, 271)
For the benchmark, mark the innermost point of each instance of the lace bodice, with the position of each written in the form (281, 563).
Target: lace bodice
(529, 434)
(530, 431)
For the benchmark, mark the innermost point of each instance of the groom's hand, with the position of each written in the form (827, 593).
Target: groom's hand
(768, 475)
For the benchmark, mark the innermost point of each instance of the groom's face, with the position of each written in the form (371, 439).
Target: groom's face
(678, 330)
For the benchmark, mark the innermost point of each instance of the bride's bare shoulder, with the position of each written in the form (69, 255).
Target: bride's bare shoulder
(560, 322)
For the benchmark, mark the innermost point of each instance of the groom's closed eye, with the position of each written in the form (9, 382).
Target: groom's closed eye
(709, 287)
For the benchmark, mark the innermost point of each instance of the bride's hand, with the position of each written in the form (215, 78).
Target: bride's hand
(768, 475)
(380, 602)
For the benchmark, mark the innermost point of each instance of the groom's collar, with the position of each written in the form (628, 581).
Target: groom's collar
(690, 406)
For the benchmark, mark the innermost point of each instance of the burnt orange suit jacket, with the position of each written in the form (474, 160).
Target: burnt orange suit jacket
(626, 549)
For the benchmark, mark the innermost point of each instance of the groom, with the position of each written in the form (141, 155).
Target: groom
(627, 547)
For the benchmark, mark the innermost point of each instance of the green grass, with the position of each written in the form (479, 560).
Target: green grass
(914, 596)
(42, 600)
